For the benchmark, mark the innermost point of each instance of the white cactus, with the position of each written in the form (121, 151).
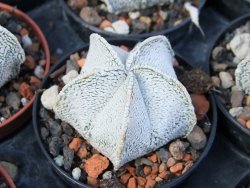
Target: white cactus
(127, 104)
(118, 6)
(11, 56)
(242, 75)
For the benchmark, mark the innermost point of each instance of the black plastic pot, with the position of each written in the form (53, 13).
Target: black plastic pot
(24, 5)
(84, 29)
(66, 177)
(244, 181)
(235, 132)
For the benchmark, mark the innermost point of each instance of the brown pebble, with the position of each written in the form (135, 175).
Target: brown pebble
(95, 165)
(81, 62)
(77, 4)
(241, 121)
(162, 167)
(164, 174)
(131, 170)
(124, 178)
(2, 98)
(158, 179)
(104, 24)
(147, 170)
(93, 181)
(153, 158)
(177, 167)
(248, 100)
(75, 144)
(150, 183)
(35, 47)
(155, 169)
(30, 62)
(248, 124)
(42, 62)
(141, 180)
(26, 91)
(151, 176)
(201, 105)
(178, 174)
(82, 152)
(188, 165)
(171, 161)
(140, 186)
(187, 157)
(24, 32)
(131, 183)
(35, 81)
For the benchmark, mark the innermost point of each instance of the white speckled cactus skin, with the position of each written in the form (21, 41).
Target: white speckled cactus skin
(242, 75)
(127, 104)
(118, 6)
(11, 56)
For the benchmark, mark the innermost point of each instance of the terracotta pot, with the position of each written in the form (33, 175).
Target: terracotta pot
(17, 120)
(212, 114)
(6, 177)
(84, 29)
(236, 133)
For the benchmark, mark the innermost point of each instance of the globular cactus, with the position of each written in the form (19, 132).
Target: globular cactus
(242, 75)
(11, 56)
(127, 104)
(118, 6)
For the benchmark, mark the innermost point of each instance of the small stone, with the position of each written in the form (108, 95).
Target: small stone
(77, 4)
(66, 139)
(131, 183)
(177, 149)
(74, 58)
(35, 47)
(82, 152)
(131, 170)
(158, 179)
(44, 133)
(68, 156)
(248, 100)
(69, 76)
(146, 20)
(104, 24)
(11, 168)
(201, 105)
(76, 173)
(235, 112)
(188, 165)
(155, 168)
(42, 62)
(153, 158)
(59, 160)
(248, 124)
(226, 80)
(121, 27)
(124, 178)
(107, 175)
(5, 112)
(245, 114)
(163, 15)
(67, 129)
(72, 65)
(143, 161)
(95, 165)
(141, 180)
(197, 138)
(54, 128)
(150, 183)
(13, 100)
(240, 45)
(81, 62)
(177, 167)
(236, 97)
(163, 154)
(134, 15)
(24, 31)
(162, 167)
(30, 62)
(147, 170)
(2, 119)
(90, 15)
(26, 91)
(218, 53)
(236, 60)
(171, 161)
(54, 146)
(187, 157)
(35, 81)
(75, 144)
(109, 29)
(218, 67)
(39, 71)
(164, 175)
(26, 41)
(93, 181)
(49, 97)
(216, 81)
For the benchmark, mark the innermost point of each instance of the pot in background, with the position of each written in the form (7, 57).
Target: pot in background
(4, 174)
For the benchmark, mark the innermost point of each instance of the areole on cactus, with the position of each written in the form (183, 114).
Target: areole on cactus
(11, 56)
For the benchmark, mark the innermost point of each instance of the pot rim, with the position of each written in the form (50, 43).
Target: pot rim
(229, 28)
(25, 18)
(68, 178)
(6, 177)
(95, 29)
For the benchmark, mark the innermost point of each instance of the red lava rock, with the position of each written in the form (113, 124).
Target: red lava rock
(35, 81)
(187, 157)
(201, 105)
(141, 181)
(147, 170)
(75, 144)
(155, 169)
(82, 152)
(93, 181)
(177, 167)
(131, 170)
(95, 165)
(242, 121)
(104, 24)
(131, 183)
(81, 62)
(150, 183)
(30, 62)
(26, 91)
(125, 177)
(153, 158)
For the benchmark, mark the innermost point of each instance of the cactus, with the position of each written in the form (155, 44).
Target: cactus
(118, 6)
(242, 74)
(127, 104)
(11, 56)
